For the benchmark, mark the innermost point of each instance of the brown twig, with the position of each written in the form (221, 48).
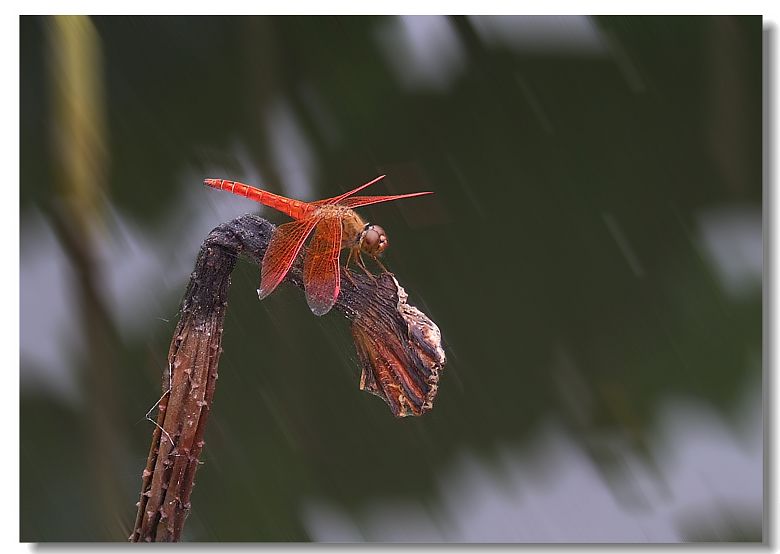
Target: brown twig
(399, 348)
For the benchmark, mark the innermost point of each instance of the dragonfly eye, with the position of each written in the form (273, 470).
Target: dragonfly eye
(374, 240)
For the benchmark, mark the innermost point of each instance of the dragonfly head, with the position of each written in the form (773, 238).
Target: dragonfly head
(373, 240)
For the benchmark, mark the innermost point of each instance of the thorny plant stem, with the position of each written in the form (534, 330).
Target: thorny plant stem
(398, 347)
(190, 379)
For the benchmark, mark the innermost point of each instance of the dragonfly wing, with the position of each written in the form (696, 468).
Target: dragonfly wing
(321, 272)
(340, 197)
(282, 251)
(357, 201)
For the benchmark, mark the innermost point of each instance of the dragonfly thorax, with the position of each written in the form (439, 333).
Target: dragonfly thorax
(352, 227)
(356, 233)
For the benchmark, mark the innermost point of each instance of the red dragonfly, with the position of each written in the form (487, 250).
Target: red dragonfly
(335, 225)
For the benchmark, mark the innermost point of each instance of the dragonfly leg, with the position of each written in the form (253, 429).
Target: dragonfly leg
(347, 272)
(363, 266)
(380, 264)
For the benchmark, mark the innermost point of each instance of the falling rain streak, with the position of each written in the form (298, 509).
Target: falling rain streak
(623, 244)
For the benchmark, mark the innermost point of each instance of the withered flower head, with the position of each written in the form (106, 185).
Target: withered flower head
(399, 349)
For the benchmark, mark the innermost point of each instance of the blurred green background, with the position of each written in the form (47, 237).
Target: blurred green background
(592, 256)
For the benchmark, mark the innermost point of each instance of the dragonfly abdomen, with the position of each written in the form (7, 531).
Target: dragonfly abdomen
(294, 208)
